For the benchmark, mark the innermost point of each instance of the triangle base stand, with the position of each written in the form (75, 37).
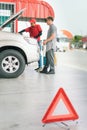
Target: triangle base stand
(62, 124)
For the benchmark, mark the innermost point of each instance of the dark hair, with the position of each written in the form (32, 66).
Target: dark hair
(50, 18)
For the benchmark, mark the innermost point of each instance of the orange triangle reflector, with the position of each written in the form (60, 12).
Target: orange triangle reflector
(50, 117)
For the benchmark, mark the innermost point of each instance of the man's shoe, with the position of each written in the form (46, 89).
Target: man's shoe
(37, 68)
(51, 72)
(43, 71)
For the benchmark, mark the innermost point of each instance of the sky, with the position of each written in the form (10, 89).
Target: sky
(70, 15)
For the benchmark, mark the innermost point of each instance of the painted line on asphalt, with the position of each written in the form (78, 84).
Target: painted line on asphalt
(75, 67)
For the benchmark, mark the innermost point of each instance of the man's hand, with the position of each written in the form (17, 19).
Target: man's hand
(45, 42)
(49, 39)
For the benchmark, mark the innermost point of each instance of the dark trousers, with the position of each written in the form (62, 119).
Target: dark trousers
(39, 62)
(50, 59)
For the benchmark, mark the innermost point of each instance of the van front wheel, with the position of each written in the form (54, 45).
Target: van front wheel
(12, 63)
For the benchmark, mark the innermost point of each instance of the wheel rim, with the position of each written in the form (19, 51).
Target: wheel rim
(10, 64)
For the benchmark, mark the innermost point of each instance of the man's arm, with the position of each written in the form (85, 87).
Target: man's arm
(39, 31)
(22, 31)
(39, 34)
(50, 38)
(25, 30)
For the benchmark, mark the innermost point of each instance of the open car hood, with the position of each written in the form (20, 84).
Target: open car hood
(12, 18)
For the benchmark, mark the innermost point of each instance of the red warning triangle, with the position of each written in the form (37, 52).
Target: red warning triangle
(49, 117)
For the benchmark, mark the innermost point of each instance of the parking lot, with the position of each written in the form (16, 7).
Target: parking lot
(24, 100)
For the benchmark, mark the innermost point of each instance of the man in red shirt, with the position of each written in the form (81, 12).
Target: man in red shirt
(35, 31)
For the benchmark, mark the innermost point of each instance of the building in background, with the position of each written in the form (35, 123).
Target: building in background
(33, 9)
(6, 10)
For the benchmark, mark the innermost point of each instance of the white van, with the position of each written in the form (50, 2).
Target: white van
(15, 51)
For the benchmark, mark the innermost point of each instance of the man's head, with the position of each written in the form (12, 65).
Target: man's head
(49, 20)
(32, 22)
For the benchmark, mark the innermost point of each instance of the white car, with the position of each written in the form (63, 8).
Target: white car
(16, 52)
(62, 44)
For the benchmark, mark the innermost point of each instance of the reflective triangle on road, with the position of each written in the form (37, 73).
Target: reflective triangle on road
(50, 114)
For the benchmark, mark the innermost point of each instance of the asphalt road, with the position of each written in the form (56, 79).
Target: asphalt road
(76, 59)
(24, 100)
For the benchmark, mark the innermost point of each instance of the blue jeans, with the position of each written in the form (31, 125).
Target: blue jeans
(39, 62)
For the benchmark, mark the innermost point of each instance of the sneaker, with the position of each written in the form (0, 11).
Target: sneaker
(44, 70)
(51, 72)
(37, 68)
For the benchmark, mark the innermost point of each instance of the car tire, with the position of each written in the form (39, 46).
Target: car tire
(12, 63)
